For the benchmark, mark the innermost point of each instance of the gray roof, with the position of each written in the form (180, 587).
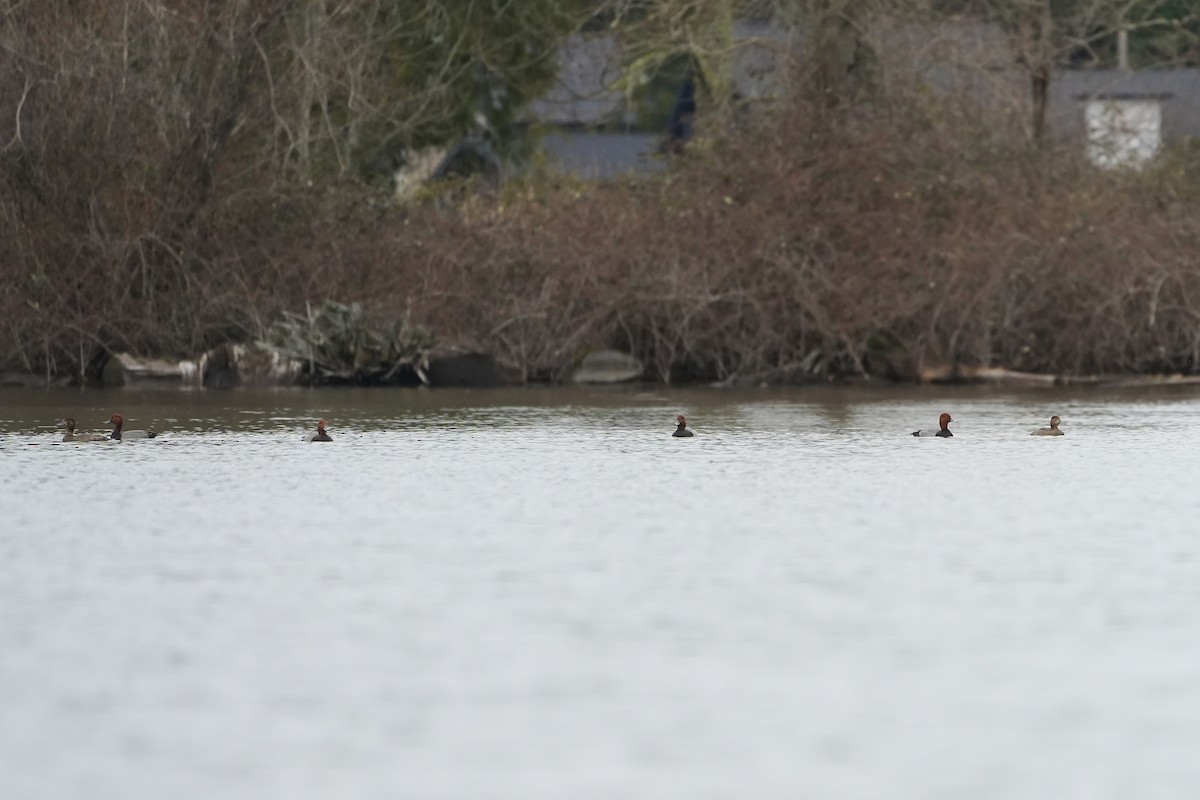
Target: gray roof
(590, 65)
(603, 155)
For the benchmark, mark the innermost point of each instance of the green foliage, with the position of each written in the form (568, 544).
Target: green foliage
(665, 39)
(1160, 35)
(387, 76)
(1175, 174)
(459, 66)
(1084, 32)
(653, 96)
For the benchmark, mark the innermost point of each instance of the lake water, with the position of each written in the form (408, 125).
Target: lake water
(542, 594)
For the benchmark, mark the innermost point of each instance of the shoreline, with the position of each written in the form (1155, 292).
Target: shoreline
(993, 378)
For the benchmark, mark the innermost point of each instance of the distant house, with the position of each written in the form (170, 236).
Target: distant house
(1125, 117)
(591, 134)
(594, 134)
(592, 131)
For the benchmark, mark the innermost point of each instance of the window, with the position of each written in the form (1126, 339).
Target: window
(1123, 133)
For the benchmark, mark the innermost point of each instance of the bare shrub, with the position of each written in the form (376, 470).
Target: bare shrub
(798, 249)
(139, 213)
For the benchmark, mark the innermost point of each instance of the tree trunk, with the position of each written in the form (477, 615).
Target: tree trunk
(1040, 85)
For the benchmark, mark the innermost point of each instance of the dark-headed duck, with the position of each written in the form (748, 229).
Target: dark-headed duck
(72, 436)
(120, 435)
(320, 435)
(682, 429)
(942, 431)
(1052, 430)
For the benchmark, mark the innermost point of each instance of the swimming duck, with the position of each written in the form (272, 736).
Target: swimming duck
(320, 435)
(117, 421)
(1052, 430)
(72, 436)
(943, 428)
(682, 429)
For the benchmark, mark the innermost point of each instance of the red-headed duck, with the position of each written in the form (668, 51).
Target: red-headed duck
(120, 435)
(943, 428)
(320, 435)
(1052, 430)
(682, 429)
(72, 436)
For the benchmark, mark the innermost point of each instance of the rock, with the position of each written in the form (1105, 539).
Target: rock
(608, 366)
(27, 380)
(1010, 377)
(1172, 379)
(476, 370)
(248, 365)
(419, 166)
(999, 376)
(941, 373)
(123, 369)
(218, 368)
(894, 364)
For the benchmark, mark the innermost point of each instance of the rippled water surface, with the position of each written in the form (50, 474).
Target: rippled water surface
(544, 595)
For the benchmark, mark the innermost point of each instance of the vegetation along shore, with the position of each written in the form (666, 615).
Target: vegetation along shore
(276, 192)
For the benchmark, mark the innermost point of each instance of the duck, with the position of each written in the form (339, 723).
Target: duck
(320, 435)
(72, 436)
(1053, 430)
(943, 428)
(119, 435)
(682, 430)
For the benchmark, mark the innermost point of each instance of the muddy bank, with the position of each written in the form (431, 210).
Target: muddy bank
(253, 366)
